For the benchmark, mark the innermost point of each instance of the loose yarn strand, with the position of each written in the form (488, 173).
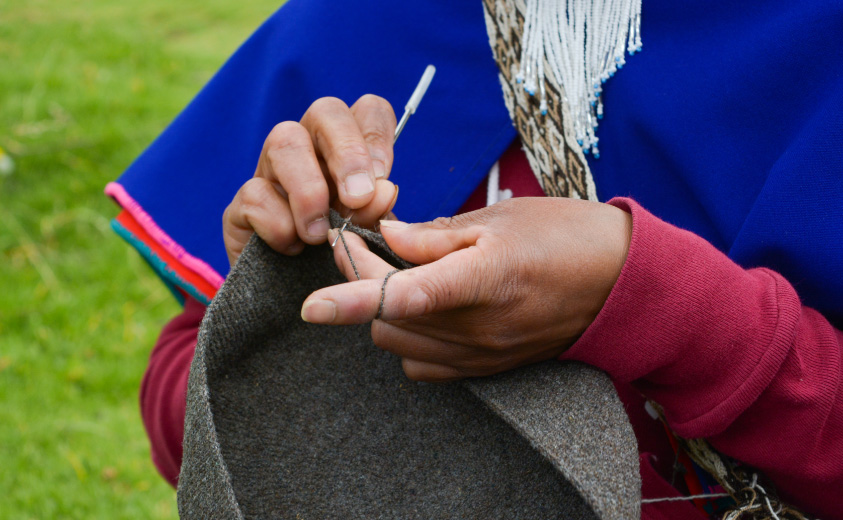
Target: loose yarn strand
(582, 43)
(682, 499)
(347, 251)
(343, 225)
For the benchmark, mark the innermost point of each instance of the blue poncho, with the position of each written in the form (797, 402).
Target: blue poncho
(729, 124)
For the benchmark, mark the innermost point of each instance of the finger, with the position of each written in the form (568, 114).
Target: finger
(338, 139)
(429, 372)
(454, 281)
(345, 304)
(376, 120)
(408, 344)
(368, 264)
(259, 208)
(290, 160)
(429, 241)
(386, 195)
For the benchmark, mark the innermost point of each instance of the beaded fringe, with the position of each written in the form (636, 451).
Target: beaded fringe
(582, 43)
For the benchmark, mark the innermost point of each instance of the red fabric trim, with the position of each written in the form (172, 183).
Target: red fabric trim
(198, 282)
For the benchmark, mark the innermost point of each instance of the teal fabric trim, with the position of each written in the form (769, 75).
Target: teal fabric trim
(170, 278)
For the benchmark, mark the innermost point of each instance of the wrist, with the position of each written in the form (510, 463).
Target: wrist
(614, 231)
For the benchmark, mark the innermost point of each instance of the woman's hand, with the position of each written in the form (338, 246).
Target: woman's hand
(505, 286)
(335, 156)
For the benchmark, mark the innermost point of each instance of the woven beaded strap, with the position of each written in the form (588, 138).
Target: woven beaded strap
(549, 141)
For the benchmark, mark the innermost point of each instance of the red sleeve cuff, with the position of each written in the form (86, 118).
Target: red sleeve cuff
(164, 389)
(691, 329)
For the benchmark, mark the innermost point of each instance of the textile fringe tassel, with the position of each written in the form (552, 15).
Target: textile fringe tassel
(582, 42)
(754, 501)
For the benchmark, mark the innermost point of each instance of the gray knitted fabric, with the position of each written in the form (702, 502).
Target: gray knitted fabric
(291, 420)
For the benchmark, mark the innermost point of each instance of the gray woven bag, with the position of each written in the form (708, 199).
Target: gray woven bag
(291, 420)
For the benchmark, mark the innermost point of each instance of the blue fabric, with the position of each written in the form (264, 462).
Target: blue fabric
(315, 48)
(730, 124)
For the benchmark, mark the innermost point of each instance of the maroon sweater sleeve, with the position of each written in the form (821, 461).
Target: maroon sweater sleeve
(731, 355)
(164, 389)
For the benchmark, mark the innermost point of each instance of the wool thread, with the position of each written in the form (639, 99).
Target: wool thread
(383, 293)
(680, 499)
(347, 252)
(344, 224)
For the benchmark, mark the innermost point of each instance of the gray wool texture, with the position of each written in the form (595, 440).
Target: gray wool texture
(287, 419)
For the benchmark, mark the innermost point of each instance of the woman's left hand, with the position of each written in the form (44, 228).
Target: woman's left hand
(505, 286)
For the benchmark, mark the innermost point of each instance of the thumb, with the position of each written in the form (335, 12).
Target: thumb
(429, 241)
(446, 284)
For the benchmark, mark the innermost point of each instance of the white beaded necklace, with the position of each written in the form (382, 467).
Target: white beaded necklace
(582, 43)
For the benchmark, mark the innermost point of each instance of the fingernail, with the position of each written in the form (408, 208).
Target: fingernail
(318, 228)
(319, 311)
(380, 169)
(359, 184)
(394, 199)
(332, 236)
(388, 212)
(394, 224)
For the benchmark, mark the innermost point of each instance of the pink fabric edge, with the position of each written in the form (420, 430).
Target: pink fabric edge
(119, 193)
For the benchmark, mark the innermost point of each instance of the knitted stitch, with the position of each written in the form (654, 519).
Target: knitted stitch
(286, 418)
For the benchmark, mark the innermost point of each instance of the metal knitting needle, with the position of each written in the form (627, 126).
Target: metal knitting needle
(409, 109)
(415, 99)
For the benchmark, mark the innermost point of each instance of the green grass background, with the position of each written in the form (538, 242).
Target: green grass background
(84, 87)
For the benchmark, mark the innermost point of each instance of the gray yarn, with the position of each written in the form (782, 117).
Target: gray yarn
(292, 420)
(372, 237)
(348, 253)
(377, 239)
(383, 292)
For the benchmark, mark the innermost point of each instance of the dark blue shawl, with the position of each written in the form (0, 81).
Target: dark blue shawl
(729, 124)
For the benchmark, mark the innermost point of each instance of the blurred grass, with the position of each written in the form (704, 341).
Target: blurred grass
(84, 87)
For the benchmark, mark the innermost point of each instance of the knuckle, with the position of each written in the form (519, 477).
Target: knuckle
(496, 341)
(375, 106)
(320, 115)
(308, 191)
(229, 224)
(432, 291)
(254, 193)
(443, 222)
(353, 156)
(377, 135)
(352, 149)
(288, 134)
(374, 103)
(326, 106)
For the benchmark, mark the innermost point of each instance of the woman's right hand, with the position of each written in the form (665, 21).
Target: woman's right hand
(335, 156)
